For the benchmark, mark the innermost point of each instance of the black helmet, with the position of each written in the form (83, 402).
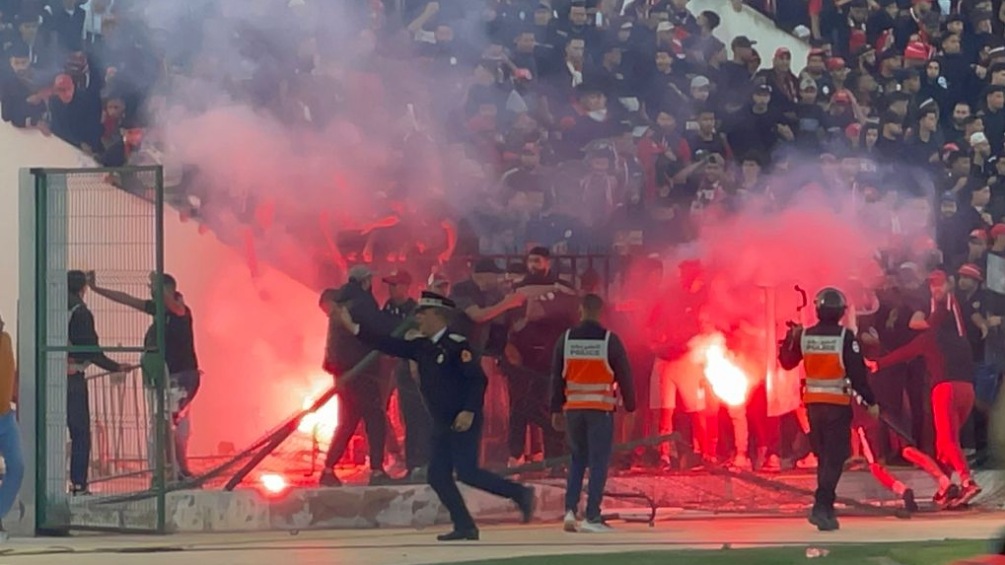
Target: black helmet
(830, 304)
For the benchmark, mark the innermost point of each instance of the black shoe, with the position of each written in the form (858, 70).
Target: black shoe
(328, 479)
(80, 490)
(909, 503)
(823, 522)
(379, 478)
(967, 493)
(459, 535)
(526, 503)
(945, 496)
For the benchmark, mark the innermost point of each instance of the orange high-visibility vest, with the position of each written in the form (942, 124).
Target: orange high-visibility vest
(826, 381)
(589, 379)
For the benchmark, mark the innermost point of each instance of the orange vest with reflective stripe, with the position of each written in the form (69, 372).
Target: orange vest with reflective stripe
(823, 359)
(589, 379)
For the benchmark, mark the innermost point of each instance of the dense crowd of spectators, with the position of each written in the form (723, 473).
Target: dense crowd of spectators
(609, 126)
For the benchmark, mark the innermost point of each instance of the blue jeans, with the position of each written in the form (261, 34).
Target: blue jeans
(10, 448)
(591, 436)
(986, 382)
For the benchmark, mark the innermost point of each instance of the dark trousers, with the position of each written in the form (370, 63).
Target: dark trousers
(415, 416)
(891, 386)
(78, 421)
(529, 394)
(458, 452)
(361, 400)
(590, 434)
(830, 436)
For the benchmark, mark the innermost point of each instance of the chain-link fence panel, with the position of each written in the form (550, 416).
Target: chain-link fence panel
(101, 421)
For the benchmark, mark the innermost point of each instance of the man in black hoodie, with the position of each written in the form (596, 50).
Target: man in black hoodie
(361, 398)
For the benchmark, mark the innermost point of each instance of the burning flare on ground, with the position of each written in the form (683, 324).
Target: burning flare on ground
(727, 379)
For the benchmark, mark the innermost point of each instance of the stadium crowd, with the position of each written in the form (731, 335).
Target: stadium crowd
(570, 126)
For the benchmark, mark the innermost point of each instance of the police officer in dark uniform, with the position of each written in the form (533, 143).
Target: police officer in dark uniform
(81, 333)
(835, 373)
(453, 385)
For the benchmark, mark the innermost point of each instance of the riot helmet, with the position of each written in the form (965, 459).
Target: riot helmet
(830, 305)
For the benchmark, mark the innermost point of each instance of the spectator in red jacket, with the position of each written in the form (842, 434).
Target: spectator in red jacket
(948, 357)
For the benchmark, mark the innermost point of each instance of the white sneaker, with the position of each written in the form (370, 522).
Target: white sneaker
(808, 462)
(772, 464)
(594, 527)
(569, 524)
(741, 462)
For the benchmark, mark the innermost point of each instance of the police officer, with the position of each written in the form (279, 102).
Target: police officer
(453, 385)
(590, 367)
(835, 371)
(81, 333)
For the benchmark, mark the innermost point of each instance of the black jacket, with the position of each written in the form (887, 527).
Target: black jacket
(81, 333)
(450, 376)
(344, 350)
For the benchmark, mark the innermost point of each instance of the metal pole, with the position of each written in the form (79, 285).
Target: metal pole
(291, 425)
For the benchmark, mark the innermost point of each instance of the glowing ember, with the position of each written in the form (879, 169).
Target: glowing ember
(320, 424)
(273, 484)
(728, 380)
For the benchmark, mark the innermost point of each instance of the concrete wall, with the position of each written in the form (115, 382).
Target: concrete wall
(757, 27)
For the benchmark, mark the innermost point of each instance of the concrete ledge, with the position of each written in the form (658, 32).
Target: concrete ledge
(359, 507)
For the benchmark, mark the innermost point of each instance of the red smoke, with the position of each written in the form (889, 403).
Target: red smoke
(749, 265)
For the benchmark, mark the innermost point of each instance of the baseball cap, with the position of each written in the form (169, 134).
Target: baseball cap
(807, 83)
(742, 41)
(540, 251)
(360, 273)
(487, 265)
(699, 82)
(938, 276)
(398, 277)
(664, 26)
(970, 270)
(836, 64)
(997, 230)
(816, 52)
(979, 234)
(917, 51)
(762, 89)
(627, 25)
(783, 52)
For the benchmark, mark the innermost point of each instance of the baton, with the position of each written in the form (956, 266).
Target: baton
(890, 422)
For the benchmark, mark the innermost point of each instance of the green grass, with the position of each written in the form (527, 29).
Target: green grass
(926, 553)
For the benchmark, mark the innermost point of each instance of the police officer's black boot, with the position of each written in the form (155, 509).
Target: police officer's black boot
(820, 518)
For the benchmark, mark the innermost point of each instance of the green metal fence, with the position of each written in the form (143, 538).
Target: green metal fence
(109, 221)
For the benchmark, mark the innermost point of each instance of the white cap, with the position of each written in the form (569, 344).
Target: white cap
(664, 26)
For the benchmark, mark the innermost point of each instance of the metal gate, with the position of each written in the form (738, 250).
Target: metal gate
(109, 222)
